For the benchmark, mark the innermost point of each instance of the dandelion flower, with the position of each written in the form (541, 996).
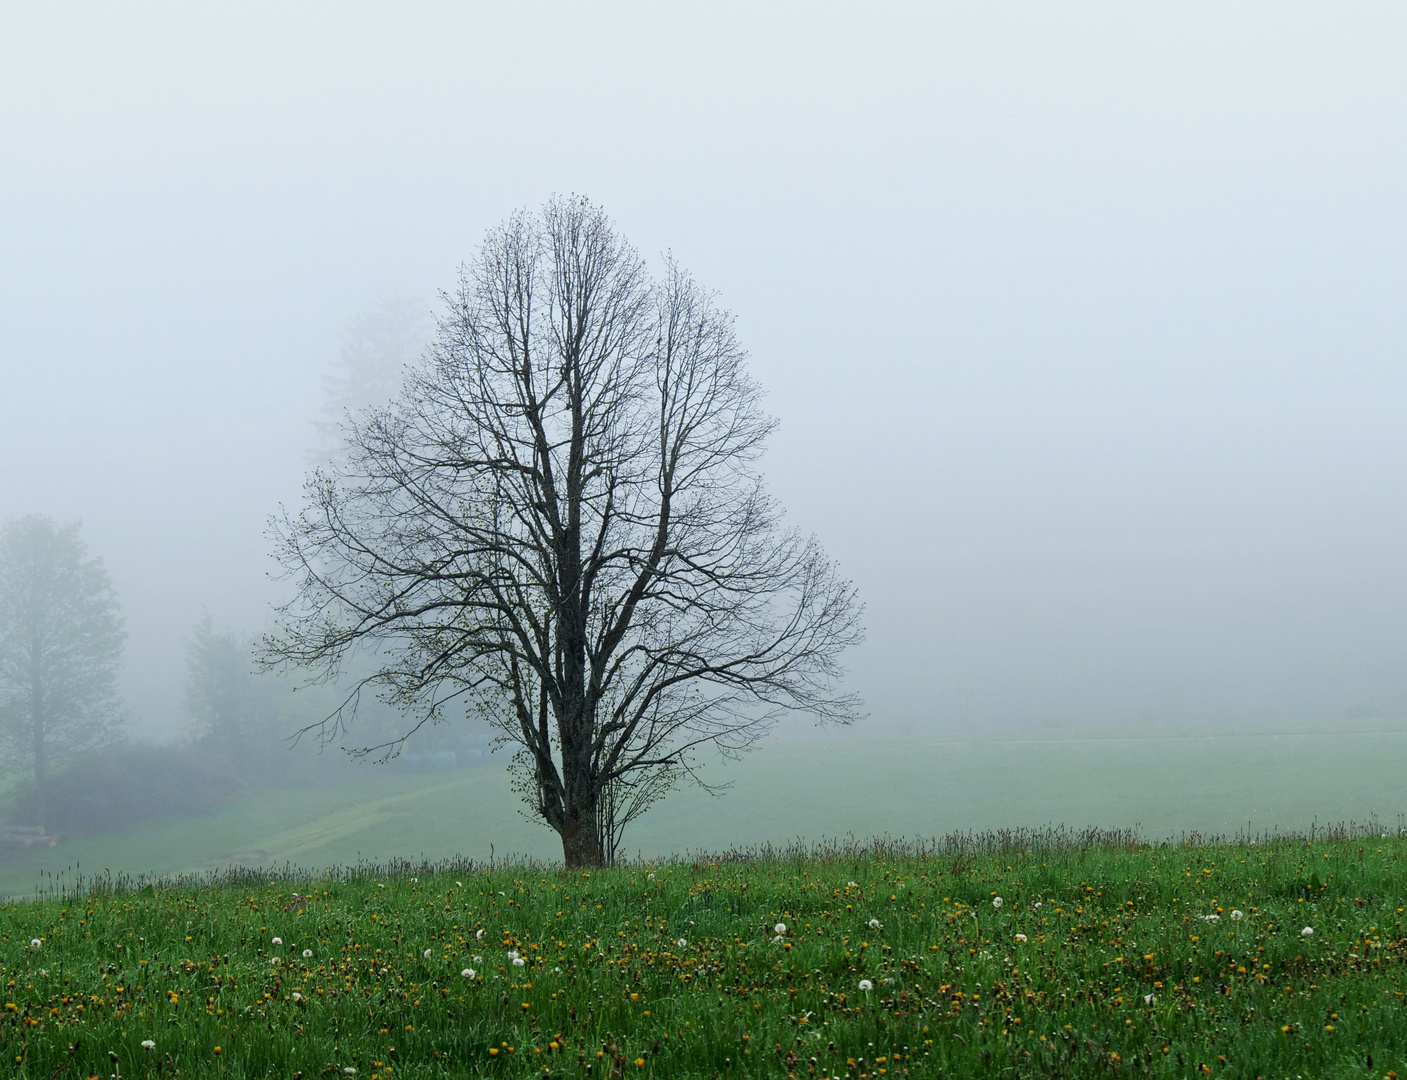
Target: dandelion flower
(512, 954)
(780, 928)
(468, 973)
(1237, 916)
(148, 1044)
(1148, 999)
(682, 942)
(297, 996)
(866, 985)
(1020, 937)
(518, 961)
(1308, 931)
(649, 877)
(415, 881)
(274, 960)
(874, 924)
(1212, 918)
(479, 935)
(278, 941)
(307, 954)
(996, 901)
(426, 954)
(350, 1071)
(852, 885)
(34, 943)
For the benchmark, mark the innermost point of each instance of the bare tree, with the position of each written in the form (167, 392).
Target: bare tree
(561, 520)
(61, 640)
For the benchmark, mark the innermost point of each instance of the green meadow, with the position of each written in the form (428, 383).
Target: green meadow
(1031, 955)
(1164, 784)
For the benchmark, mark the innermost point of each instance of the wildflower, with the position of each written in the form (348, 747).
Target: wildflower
(307, 954)
(851, 885)
(1308, 931)
(996, 901)
(479, 936)
(1237, 916)
(350, 1071)
(1020, 937)
(1211, 918)
(518, 961)
(682, 942)
(512, 954)
(148, 1044)
(1148, 999)
(468, 973)
(297, 996)
(34, 943)
(278, 941)
(459, 884)
(1036, 904)
(649, 877)
(426, 954)
(874, 924)
(780, 928)
(415, 881)
(866, 985)
(274, 960)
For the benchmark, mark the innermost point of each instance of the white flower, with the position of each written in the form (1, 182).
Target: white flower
(874, 924)
(780, 929)
(415, 881)
(518, 961)
(866, 985)
(1237, 916)
(278, 941)
(297, 996)
(426, 954)
(273, 960)
(1148, 999)
(307, 954)
(459, 884)
(649, 877)
(852, 885)
(385, 970)
(468, 973)
(1211, 918)
(479, 936)
(350, 1071)
(682, 942)
(996, 901)
(478, 959)
(1020, 937)
(148, 1044)
(34, 943)
(1308, 931)
(556, 971)
(512, 954)
(1037, 904)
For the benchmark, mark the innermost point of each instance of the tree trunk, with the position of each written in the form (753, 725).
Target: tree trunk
(581, 842)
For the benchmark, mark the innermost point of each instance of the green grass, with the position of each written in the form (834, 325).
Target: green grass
(678, 970)
(1165, 783)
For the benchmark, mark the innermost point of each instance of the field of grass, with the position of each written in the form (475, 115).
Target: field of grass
(1164, 783)
(1023, 956)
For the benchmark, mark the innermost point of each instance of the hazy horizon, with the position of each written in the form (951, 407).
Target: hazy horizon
(1084, 324)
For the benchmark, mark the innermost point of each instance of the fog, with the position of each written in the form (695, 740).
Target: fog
(1084, 323)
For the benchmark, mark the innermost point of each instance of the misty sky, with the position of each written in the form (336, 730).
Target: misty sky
(1085, 322)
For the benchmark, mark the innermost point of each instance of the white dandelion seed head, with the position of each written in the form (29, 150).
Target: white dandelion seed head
(866, 985)
(426, 954)
(415, 881)
(1308, 931)
(852, 884)
(996, 901)
(556, 971)
(479, 936)
(350, 1071)
(459, 884)
(518, 961)
(1237, 916)
(468, 973)
(35, 943)
(512, 954)
(148, 1044)
(1212, 917)
(297, 996)
(307, 954)
(874, 924)
(1148, 999)
(682, 942)
(649, 877)
(278, 941)
(780, 929)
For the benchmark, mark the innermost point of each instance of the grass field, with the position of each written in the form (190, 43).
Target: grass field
(1039, 957)
(1163, 783)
